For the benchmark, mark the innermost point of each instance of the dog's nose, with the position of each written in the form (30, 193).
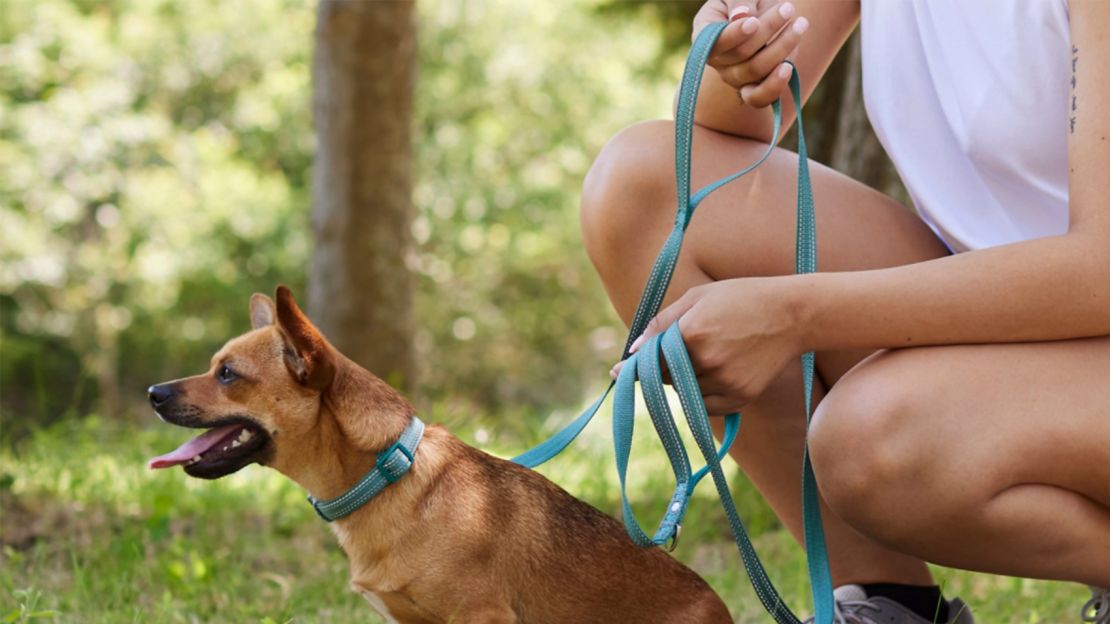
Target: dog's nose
(159, 395)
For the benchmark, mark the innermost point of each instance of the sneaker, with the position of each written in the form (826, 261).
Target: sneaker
(1097, 609)
(854, 607)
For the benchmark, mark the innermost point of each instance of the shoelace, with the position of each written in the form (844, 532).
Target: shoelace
(1097, 609)
(853, 611)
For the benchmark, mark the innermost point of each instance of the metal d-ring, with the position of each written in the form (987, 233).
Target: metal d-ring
(674, 538)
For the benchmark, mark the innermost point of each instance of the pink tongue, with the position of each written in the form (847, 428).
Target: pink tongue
(192, 448)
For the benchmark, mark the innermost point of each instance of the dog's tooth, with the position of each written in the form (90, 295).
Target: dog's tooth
(236, 443)
(244, 435)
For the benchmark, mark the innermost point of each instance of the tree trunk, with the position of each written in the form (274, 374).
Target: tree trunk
(857, 151)
(360, 291)
(838, 132)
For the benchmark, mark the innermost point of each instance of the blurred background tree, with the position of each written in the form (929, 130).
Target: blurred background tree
(156, 168)
(360, 291)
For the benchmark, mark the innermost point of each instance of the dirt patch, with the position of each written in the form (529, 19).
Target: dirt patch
(26, 520)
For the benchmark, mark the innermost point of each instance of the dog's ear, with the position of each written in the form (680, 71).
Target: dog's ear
(262, 311)
(308, 356)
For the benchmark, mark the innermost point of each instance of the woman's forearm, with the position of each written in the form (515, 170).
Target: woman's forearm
(1045, 289)
(721, 109)
(830, 23)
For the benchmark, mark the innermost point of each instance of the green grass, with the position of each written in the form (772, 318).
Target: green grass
(89, 535)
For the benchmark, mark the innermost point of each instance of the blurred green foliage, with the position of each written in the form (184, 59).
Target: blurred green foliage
(154, 171)
(514, 100)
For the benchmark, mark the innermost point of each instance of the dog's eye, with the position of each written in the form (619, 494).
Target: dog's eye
(225, 375)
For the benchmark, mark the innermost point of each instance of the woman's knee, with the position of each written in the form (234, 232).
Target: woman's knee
(863, 447)
(629, 187)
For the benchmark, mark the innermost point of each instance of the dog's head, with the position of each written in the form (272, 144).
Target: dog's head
(259, 399)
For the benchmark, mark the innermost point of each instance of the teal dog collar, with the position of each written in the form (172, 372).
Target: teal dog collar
(391, 465)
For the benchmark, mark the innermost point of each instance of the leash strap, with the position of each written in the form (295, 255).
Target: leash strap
(624, 411)
(544, 451)
(391, 465)
(644, 366)
(663, 268)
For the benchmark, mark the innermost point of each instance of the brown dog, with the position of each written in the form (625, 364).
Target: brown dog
(462, 537)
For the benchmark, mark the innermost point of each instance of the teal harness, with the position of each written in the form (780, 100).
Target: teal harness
(644, 366)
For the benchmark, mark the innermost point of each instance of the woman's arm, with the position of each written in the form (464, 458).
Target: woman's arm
(742, 332)
(1045, 289)
(830, 22)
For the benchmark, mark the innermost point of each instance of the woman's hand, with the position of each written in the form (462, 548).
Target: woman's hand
(740, 334)
(750, 53)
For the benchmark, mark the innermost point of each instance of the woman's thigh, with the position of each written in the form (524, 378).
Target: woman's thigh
(982, 456)
(745, 229)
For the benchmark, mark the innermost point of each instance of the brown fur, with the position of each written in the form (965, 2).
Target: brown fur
(464, 537)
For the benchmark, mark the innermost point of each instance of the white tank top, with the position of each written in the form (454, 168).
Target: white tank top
(971, 100)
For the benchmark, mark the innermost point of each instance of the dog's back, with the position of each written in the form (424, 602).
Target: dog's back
(520, 540)
(592, 569)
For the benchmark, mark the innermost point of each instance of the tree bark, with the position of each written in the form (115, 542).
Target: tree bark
(360, 291)
(838, 132)
(855, 150)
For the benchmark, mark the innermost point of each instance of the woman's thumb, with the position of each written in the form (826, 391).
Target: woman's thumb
(665, 318)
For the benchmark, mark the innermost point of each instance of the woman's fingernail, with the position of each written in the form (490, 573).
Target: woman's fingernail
(801, 25)
(738, 12)
(786, 10)
(785, 70)
(749, 26)
(636, 344)
(613, 372)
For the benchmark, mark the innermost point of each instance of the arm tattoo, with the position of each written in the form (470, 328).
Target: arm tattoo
(1074, 62)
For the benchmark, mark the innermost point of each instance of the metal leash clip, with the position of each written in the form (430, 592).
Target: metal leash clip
(674, 538)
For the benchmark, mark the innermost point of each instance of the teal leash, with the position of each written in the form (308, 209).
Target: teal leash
(644, 366)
